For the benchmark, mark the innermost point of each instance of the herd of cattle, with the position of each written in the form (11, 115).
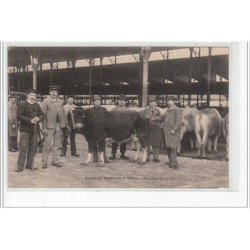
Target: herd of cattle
(206, 124)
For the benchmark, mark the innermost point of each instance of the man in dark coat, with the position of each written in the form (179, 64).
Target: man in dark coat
(154, 134)
(121, 107)
(68, 109)
(97, 101)
(172, 121)
(29, 114)
(12, 123)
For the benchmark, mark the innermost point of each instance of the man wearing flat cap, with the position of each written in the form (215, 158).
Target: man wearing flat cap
(29, 114)
(154, 134)
(120, 107)
(97, 101)
(68, 111)
(53, 125)
(12, 123)
(172, 121)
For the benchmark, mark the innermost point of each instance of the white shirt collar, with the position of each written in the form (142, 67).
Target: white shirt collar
(30, 101)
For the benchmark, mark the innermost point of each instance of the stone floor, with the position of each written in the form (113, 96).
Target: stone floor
(192, 173)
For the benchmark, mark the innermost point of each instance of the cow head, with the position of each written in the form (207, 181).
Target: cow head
(79, 117)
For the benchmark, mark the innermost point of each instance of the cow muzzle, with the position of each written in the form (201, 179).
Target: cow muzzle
(78, 125)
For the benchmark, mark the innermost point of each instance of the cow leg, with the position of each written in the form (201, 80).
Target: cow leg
(178, 150)
(204, 143)
(216, 143)
(199, 144)
(101, 150)
(101, 155)
(227, 147)
(198, 136)
(142, 140)
(91, 147)
(89, 157)
(144, 155)
(209, 146)
(138, 149)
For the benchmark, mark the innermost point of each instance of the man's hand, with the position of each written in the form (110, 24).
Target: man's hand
(34, 121)
(36, 118)
(13, 126)
(172, 132)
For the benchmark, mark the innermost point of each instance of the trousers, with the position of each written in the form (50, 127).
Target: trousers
(52, 143)
(27, 150)
(171, 152)
(12, 141)
(155, 152)
(72, 142)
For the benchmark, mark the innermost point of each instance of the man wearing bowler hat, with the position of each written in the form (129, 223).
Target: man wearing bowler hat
(154, 134)
(172, 121)
(54, 123)
(29, 114)
(121, 107)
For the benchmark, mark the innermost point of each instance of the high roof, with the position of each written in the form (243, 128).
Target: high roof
(20, 54)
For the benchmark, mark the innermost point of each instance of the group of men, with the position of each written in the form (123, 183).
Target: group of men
(50, 117)
(55, 122)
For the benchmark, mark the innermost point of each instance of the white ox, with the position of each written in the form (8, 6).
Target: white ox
(206, 124)
(225, 129)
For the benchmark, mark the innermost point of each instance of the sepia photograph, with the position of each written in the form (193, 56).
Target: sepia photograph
(144, 117)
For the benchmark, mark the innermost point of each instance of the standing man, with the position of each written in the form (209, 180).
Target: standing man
(12, 123)
(29, 114)
(97, 101)
(68, 109)
(40, 143)
(53, 125)
(172, 121)
(154, 134)
(121, 107)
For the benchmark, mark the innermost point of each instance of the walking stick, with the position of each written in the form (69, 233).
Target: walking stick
(34, 146)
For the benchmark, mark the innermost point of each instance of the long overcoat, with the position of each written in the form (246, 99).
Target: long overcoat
(154, 135)
(172, 120)
(12, 119)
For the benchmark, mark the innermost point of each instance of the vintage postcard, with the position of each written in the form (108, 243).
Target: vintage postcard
(122, 121)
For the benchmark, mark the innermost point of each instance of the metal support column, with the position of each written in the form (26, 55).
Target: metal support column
(190, 76)
(90, 80)
(144, 55)
(209, 76)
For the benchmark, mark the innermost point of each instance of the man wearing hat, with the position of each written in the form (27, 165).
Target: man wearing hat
(29, 114)
(54, 123)
(172, 121)
(154, 134)
(97, 101)
(68, 109)
(40, 143)
(12, 123)
(120, 107)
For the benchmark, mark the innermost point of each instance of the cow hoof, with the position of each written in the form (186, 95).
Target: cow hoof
(216, 152)
(197, 157)
(209, 152)
(84, 163)
(141, 163)
(132, 160)
(101, 164)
